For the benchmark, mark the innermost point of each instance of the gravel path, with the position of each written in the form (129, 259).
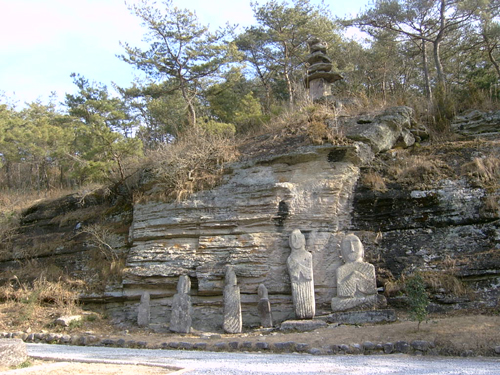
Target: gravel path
(248, 364)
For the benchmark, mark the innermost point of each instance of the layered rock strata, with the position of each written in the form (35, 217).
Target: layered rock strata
(245, 222)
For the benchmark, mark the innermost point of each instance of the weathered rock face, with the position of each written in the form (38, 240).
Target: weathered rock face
(447, 231)
(450, 228)
(384, 131)
(477, 123)
(246, 223)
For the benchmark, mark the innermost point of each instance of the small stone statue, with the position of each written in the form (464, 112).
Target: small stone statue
(144, 311)
(300, 268)
(319, 75)
(232, 304)
(264, 307)
(356, 282)
(180, 320)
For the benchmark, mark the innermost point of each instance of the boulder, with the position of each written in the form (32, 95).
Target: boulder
(360, 317)
(12, 352)
(66, 320)
(302, 325)
(384, 131)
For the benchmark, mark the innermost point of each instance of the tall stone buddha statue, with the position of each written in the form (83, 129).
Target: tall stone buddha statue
(300, 268)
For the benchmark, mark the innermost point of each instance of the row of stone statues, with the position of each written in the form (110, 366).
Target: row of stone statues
(356, 281)
(233, 322)
(356, 289)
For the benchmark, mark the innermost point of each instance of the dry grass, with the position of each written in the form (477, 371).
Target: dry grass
(374, 181)
(484, 171)
(435, 282)
(443, 282)
(318, 122)
(195, 162)
(420, 171)
(27, 302)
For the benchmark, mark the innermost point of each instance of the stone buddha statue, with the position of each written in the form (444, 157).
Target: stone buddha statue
(300, 268)
(182, 309)
(232, 303)
(356, 282)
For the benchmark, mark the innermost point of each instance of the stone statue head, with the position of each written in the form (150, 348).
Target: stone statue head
(352, 249)
(230, 276)
(184, 284)
(263, 291)
(297, 240)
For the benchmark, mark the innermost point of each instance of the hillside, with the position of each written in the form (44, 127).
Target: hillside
(417, 205)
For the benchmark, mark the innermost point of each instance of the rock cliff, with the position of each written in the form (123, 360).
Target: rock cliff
(448, 226)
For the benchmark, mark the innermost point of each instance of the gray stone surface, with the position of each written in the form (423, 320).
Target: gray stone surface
(232, 303)
(12, 352)
(356, 282)
(144, 311)
(240, 221)
(182, 310)
(477, 123)
(66, 320)
(300, 269)
(264, 308)
(420, 345)
(360, 317)
(262, 345)
(401, 347)
(384, 131)
(287, 346)
(302, 325)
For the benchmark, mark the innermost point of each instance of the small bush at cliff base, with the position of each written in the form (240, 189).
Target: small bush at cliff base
(417, 298)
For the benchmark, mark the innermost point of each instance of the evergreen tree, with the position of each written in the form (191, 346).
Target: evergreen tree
(277, 47)
(180, 50)
(102, 140)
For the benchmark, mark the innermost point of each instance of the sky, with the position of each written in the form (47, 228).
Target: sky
(43, 41)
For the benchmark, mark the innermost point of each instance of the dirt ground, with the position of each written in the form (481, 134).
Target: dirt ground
(478, 333)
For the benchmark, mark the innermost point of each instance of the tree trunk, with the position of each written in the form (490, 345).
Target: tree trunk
(437, 46)
(494, 61)
(286, 73)
(490, 48)
(427, 84)
(7, 174)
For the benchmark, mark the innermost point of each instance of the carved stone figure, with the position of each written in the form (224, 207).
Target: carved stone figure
(300, 268)
(356, 282)
(232, 304)
(144, 311)
(180, 320)
(264, 307)
(319, 75)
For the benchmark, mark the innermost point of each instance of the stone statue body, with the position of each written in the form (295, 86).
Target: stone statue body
(180, 320)
(143, 314)
(264, 307)
(232, 304)
(356, 282)
(300, 268)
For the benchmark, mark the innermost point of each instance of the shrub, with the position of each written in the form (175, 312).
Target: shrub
(194, 162)
(484, 172)
(417, 298)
